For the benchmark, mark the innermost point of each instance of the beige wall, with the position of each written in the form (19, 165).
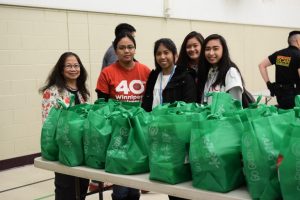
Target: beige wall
(32, 39)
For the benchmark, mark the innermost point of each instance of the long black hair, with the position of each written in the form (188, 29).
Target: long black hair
(224, 64)
(169, 44)
(183, 58)
(56, 76)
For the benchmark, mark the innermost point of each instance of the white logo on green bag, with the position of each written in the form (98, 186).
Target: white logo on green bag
(153, 130)
(297, 175)
(165, 148)
(48, 125)
(247, 141)
(60, 122)
(166, 138)
(212, 157)
(254, 175)
(48, 137)
(124, 132)
(86, 144)
(269, 147)
(117, 142)
(249, 159)
(65, 138)
(221, 109)
(96, 146)
(86, 125)
(295, 147)
(153, 134)
(197, 166)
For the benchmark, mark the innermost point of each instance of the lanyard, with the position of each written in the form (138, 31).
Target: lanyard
(160, 86)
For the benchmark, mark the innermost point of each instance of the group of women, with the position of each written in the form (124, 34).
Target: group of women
(202, 66)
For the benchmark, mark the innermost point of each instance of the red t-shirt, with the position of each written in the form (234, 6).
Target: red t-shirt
(123, 84)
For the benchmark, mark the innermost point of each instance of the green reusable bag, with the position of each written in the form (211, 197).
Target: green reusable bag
(127, 151)
(97, 135)
(297, 101)
(69, 135)
(261, 141)
(49, 147)
(260, 111)
(223, 102)
(123, 104)
(289, 168)
(177, 106)
(255, 111)
(215, 153)
(169, 137)
(143, 121)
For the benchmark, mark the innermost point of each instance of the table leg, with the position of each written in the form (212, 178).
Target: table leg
(77, 188)
(101, 186)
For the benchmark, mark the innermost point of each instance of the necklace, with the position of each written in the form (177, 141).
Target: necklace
(71, 88)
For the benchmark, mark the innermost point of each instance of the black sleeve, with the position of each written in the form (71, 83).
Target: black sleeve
(202, 77)
(102, 95)
(147, 100)
(190, 91)
(272, 58)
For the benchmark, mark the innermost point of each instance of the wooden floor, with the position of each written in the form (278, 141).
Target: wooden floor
(30, 183)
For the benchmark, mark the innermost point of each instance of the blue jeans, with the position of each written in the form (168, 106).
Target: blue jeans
(125, 193)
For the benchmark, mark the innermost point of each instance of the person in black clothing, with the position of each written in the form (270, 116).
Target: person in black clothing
(189, 54)
(287, 72)
(168, 82)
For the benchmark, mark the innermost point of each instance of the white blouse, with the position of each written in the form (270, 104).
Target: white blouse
(232, 79)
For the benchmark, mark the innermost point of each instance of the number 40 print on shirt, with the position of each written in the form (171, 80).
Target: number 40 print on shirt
(130, 91)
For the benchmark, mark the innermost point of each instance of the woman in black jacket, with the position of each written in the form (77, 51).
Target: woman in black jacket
(189, 54)
(168, 82)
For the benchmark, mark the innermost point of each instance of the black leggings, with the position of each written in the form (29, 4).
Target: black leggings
(65, 187)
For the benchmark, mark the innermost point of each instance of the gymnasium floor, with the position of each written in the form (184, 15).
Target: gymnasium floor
(30, 183)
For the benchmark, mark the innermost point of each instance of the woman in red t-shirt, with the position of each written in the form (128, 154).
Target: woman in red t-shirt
(125, 79)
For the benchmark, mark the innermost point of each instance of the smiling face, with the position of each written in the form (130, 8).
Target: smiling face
(213, 51)
(193, 48)
(71, 69)
(125, 50)
(164, 57)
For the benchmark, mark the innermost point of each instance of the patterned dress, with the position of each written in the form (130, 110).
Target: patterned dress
(50, 97)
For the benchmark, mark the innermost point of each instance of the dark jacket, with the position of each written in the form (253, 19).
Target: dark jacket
(181, 87)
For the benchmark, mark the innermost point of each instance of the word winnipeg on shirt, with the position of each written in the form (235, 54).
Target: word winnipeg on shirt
(132, 92)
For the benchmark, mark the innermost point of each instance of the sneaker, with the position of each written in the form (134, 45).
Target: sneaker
(93, 187)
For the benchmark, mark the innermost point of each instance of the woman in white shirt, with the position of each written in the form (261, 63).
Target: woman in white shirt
(222, 75)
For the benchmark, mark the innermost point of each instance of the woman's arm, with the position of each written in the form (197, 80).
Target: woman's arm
(48, 101)
(102, 95)
(234, 84)
(236, 93)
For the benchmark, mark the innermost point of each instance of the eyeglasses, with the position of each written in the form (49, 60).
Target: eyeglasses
(75, 66)
(123, 47)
